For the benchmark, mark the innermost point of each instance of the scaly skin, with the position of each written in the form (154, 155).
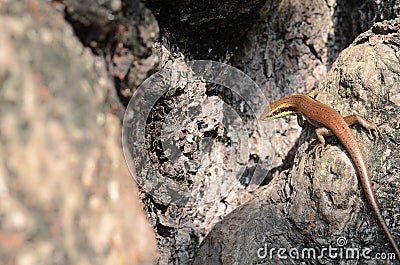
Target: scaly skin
(329, 122)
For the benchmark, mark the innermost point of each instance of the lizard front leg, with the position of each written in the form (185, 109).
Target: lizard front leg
(300, 120)
(321, 132)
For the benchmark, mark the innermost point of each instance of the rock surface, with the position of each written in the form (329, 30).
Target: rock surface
(66, 194)
(320, 202)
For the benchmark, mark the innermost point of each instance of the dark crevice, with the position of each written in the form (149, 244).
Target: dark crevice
(287, 163)
(204, 29)
(311, 48)
(164, 231)
(350, 19)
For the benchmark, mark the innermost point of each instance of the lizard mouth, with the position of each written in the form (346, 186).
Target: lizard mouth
(266, 115)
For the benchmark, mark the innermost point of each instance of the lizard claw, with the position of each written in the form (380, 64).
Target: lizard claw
(377, 132)
(317, 147)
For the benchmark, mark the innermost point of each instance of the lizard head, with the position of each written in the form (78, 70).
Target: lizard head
(280, 108)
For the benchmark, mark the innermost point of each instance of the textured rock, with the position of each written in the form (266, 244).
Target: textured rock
(321, 200)
(123, 32)
(205, 29)
(66, 194)
(288, 47)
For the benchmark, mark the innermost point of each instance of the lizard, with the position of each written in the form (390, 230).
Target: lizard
(329, 122)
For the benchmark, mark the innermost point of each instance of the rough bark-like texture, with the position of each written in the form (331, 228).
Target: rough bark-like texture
(289, 49)
(286, 47)
(320, 200)
(124, 32)
(205, 29)
(180, 228)
(66, 194)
